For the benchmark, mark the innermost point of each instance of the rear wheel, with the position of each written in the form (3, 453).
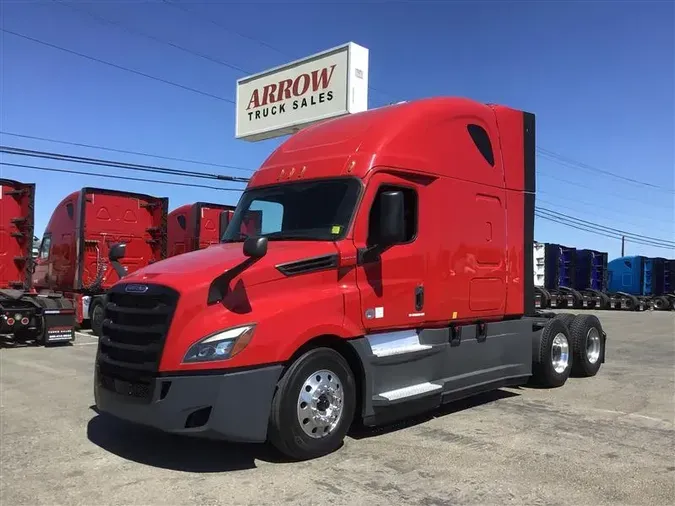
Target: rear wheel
(554, 364)
(313, 406)
(566, 318)
(588, 345)
(661, 303)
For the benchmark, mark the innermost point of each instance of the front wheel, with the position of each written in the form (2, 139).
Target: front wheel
(313, 406)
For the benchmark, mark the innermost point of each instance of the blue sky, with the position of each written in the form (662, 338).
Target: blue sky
(599, 75)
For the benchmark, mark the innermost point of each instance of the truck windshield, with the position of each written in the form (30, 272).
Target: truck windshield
(308, 210)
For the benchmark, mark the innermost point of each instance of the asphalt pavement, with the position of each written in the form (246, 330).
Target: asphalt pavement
(603, 440)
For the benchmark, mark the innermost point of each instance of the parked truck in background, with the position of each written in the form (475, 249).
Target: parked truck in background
(199, 225)
(392, 274)
(196, 226)
(26, 315)
(642, 282)
(567, 277)
(74, 252)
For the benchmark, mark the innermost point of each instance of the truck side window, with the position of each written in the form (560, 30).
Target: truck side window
(410, 213)
(69, 210)
(44, 247)
(181, 221)
(482, 141)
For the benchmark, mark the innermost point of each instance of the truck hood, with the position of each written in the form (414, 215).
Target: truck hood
(198, 268)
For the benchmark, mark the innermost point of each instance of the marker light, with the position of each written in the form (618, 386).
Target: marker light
(220, 346)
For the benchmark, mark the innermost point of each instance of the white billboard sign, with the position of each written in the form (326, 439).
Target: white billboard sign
(282, 100)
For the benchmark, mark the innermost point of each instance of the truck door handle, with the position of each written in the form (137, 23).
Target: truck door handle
(419, 298)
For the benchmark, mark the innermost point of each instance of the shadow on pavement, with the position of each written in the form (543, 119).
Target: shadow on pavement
(447, 409)
(182, 453)
(179, 453)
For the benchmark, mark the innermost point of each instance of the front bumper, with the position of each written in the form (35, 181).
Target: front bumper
(230, 406)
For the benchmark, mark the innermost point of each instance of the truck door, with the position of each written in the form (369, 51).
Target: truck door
(392, 286)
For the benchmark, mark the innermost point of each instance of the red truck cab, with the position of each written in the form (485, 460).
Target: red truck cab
(73, 254)
(391, 272)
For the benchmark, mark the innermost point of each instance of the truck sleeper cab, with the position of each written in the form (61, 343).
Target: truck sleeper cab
(391, 273)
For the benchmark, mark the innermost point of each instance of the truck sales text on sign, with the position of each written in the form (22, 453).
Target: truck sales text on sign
(282, 100)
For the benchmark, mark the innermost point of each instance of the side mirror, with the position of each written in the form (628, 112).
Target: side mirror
(392, 218)
(117, 251)
(255, 247)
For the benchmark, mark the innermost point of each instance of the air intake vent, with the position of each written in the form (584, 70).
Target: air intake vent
(309, 265)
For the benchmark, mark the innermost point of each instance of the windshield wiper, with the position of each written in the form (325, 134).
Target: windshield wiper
(281, 236)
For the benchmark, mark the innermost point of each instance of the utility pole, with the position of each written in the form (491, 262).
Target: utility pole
(623, 244)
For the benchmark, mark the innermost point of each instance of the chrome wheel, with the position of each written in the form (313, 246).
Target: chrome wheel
(320, 404)
(593, 345)
(560, 353)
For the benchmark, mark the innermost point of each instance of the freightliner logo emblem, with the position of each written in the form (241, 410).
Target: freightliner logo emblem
(136, 288)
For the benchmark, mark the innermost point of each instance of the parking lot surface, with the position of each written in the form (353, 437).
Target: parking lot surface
(603, 440)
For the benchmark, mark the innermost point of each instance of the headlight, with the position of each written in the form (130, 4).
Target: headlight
(220, 346)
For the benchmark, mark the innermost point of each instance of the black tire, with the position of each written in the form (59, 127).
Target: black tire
(96, 318)
(605, 301)
(566, 318)
(543, 369)
(285, 431)
(661, 304)
(587, 336)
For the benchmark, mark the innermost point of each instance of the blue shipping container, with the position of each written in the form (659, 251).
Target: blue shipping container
(669, 276)
(560, 266)
(591, 270)
(653, 279)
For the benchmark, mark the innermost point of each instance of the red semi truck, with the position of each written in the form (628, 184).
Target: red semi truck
(26, 315)
(74, 253)
(392, 273)
(199, 225)
(196, 226)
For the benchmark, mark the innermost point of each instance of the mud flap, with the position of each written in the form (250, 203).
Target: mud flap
(59, 325)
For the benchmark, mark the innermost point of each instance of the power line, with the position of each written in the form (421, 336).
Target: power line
(151, 37)
(622, 232)
(228, 29)
(551, 155)
(139, 153)
(569, 224)
(116, 164)
(605, 192)
(185, 173)
(570, 163)
(212, 21)
(114, 65)
(600, 230)
(545, 214)
(110, 176)
(651, 225)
